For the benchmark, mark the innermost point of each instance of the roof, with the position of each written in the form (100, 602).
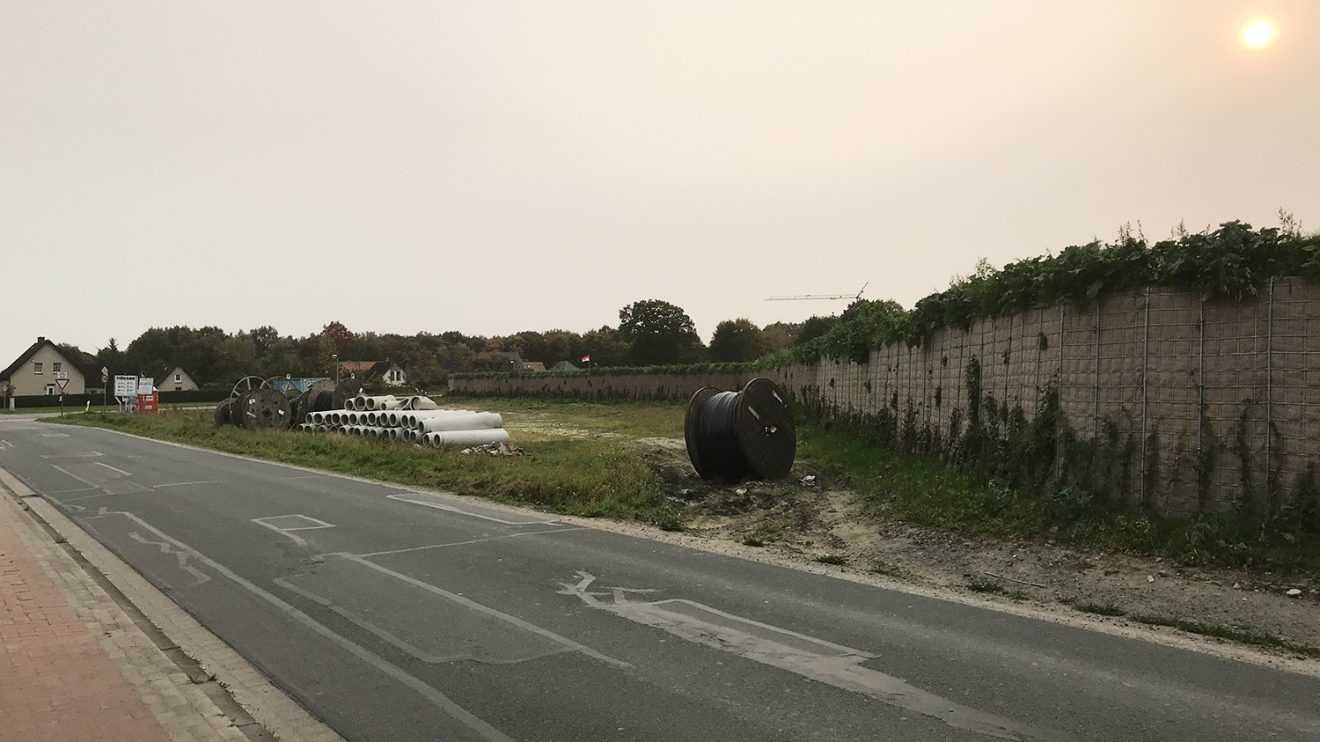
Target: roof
(367, 369)
(533, 366)
(27, 355)
(564, 366)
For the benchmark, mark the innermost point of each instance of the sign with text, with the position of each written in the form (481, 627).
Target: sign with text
(126, 386)
(145, 386)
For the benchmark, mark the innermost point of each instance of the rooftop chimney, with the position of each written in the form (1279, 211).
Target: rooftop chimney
(41, 338)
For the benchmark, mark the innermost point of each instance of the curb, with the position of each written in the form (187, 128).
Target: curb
(250, 694)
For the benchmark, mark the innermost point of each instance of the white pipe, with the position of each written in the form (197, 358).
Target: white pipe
(465, 438)
(466, 421)
(321, 428)
(416, 418)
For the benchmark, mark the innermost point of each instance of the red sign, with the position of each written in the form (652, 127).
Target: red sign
(148, 404)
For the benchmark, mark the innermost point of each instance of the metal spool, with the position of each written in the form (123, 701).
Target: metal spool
(298, 407)
(740, 435)
(222, 411)
(344, 391)
(263, 408)
(320, 396)
(246, 384)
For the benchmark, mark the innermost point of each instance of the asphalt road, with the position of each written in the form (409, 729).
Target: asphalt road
(399, 615)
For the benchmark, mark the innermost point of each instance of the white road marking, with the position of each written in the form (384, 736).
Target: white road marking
(417, 498)
(458, 543)
(112, 468)
(285, 531)
(180, 557)
(68, 473)
(77, 455)
(438, 699)
(812, 658)
(494, 613)
(180, 484)
(5, 445)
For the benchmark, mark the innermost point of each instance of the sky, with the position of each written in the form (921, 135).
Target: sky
(498, 166)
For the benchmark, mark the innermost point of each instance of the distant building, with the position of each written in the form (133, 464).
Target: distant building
(564, 366)
(34, 372)
(386, 372)
(533, 366)
(174, 379)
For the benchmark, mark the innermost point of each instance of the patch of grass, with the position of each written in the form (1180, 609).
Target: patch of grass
(626, 419)
(979, 585)
(836, 559)
(1231, 633)
(1099, 609)
(752, 541)
(884, 568)
(590, 478)
(930, 493)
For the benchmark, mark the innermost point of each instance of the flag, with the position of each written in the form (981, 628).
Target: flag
(586, 358)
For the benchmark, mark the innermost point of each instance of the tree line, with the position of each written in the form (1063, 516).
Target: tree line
(649, 332)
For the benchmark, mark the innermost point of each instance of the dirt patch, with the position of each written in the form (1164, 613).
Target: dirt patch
(806, 520)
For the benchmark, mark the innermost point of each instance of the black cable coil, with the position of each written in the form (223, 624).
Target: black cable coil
(740, 435)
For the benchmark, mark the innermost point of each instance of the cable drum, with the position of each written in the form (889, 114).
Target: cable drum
(740, 435)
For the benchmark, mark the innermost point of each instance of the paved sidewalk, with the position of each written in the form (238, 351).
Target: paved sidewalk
(73, 666)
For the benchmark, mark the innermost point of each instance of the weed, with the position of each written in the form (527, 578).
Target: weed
(1232, 633)
(884, 568)
(752, 541)
(980, 585)
(836, 559)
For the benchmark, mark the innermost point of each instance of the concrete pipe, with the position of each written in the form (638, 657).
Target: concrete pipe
(321, 428)
(465, 421)
(466, 438)
(416, 418)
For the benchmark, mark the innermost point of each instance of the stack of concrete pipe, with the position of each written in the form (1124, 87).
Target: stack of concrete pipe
(411, 420)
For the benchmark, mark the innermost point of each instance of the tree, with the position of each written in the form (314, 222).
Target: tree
(334, 341)
(779, 335)
(814, 327)
(605, 346)
(658, 332)
(737, 340)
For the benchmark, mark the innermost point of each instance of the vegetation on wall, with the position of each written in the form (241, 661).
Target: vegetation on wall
(1233, 261)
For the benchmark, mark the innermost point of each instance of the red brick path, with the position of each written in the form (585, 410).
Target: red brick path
(56, 683)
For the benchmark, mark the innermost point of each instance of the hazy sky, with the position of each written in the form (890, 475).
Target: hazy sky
(496, 166)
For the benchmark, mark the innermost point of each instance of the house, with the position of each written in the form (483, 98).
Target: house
(533, 366)
(174, 379)
(34, 373)
(564, 366)
(387, 372)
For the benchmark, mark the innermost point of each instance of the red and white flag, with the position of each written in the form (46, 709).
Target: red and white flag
(586, 358)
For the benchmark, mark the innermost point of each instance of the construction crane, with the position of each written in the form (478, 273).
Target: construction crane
(821, 297)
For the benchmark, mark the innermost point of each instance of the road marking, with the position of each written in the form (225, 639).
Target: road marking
(438, 699)
(112, 468)
(412, 498)
(398, 642)
(287, 531)
(492, 612)
(181, 484)
(68, 473)
(77, 455)
(457, 543)
(5, 445)
(180, 557)
(812, 658)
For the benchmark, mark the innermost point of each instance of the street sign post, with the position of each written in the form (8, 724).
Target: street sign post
(125, 389)
(105, 387)
(61, 381)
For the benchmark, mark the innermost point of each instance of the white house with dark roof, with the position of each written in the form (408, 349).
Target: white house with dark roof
(174, 379)
(34, 373)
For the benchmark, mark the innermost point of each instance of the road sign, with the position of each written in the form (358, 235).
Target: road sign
(61, 375)
(126, 386)
(145, 385)
(105, 374)
(61, 383)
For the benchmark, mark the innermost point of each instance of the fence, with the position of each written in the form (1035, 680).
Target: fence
(1213, 400)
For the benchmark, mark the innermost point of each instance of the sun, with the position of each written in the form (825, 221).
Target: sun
(1259, 33)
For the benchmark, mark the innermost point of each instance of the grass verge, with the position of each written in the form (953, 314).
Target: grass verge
(930, 493)
(1231, 633)
(589, 478)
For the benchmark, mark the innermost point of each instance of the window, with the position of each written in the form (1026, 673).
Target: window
(57, 367)
(178, 378)
(38, 368)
